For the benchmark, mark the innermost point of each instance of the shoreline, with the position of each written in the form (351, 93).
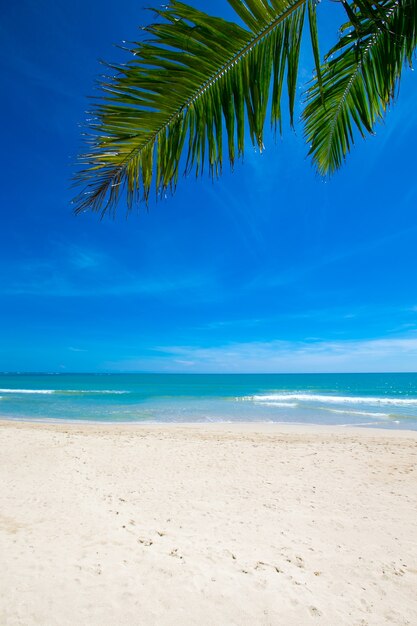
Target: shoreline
(214, 523)
(248, 426)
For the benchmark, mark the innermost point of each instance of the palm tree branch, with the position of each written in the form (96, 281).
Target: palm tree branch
(226, 67)
(359, 83)
(199, 61)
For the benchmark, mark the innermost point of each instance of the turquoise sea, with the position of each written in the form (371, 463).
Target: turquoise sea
(382, 400)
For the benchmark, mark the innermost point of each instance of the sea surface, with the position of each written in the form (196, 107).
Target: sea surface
(379, 400)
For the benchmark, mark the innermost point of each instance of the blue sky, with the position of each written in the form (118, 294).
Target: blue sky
(268, 269)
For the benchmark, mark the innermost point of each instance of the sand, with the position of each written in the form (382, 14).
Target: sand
(207, 524)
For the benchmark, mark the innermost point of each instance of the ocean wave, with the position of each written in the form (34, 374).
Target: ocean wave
(43, 391)
(64, 391)
(366, 413)
(311, 397)
(289, 405)
(90, 391)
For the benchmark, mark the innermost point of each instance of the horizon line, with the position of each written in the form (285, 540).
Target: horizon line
(160, 373)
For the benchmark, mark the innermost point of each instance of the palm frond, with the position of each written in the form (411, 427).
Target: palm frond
(360, 77)
(196, 79)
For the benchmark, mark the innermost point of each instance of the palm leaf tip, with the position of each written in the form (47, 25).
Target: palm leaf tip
(187, 97)
(360, 79)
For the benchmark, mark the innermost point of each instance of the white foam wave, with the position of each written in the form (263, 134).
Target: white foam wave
(311, 397)
(88, 391)
(289, 405)
(63, 391)
(43, 391)
(367, 413)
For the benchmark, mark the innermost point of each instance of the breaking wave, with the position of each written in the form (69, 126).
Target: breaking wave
(310, 397)
(63, 391)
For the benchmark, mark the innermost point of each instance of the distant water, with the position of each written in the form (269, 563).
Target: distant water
(383, 400)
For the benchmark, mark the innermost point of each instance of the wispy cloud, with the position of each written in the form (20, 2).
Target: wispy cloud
(397, 317)
(374, 355)
(60, 287)
(85, 272)
(86, 259)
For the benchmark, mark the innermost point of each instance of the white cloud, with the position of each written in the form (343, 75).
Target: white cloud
(373, 355)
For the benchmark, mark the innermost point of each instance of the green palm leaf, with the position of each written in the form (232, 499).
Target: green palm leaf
(360, 77)
(192, 86)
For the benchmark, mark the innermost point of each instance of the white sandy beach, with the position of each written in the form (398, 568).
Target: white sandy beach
(207, 524)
